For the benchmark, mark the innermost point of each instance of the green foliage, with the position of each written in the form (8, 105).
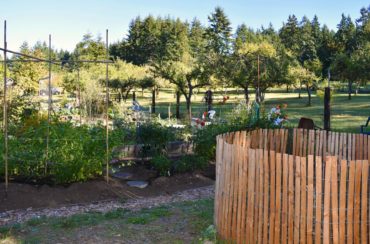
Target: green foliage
(189, 163)
(74, 153)
(205, 139)
(162, 164)
(154, 138)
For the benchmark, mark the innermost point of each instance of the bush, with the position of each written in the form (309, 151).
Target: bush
(154, 137)
(162, 164)
(205, 139)
(74, 153)
(189, 163)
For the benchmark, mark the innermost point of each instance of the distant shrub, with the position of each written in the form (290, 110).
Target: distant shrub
(189, 163)
(162, 164)
(154, 138)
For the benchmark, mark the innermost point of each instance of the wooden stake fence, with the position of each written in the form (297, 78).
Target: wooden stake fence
(317, 194)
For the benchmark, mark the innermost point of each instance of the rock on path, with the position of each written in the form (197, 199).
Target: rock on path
(19, 216)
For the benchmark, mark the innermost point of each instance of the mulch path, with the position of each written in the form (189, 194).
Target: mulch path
(25, 201)
(134, 204)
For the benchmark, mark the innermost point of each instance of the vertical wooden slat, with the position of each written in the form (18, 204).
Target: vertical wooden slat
(342, 201)
(230, 194)
(350, 200)
(324, 143)
(262, 195)
(300, 142)
(334, 199)
(244, 193)
(310, 191)
(364, 225)
(326, 232)
(349, 149)
(261, 139)
(278, 198)
(329, 143)
(284, 214)
(286, 133)
(291, 200)
(317, 143)
(251, 181)
(345, 146)
(311, 142)
(357, 146)
(336, 144)
(294, 152)
(272, 197)
(340, 151)
(304, 145)
(266, 202)
(257, 194)
(318, 186)
(277, 140)
(265, 142)
(272, 140)
(222, 190)
(240, 191)
(365, 147)
(237, 186)
(354, 141)
(356, 215)
(303, 199)
(297, 205)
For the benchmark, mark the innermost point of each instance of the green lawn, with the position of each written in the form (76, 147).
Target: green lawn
(185, 222)
(347, 115)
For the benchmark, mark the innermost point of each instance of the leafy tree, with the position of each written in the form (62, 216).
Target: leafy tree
(182, 62)
(272, 64)
(26, 75)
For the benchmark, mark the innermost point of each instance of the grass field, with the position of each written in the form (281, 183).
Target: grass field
(347, 115)
(184, 222)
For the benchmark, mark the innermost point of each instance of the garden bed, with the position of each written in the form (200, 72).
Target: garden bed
(23, 196)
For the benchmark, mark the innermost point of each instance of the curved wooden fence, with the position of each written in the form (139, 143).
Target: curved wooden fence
(292, 186)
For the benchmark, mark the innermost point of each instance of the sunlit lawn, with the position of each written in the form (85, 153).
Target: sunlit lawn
(347, 115)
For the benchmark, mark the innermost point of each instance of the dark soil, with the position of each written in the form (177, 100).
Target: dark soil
(23, 196)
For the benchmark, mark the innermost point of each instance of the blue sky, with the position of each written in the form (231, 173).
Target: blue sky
(68, 20)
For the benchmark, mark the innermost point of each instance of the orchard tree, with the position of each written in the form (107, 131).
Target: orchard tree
(262, 65)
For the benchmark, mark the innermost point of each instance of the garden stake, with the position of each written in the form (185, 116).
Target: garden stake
(5, 111)
(106, 109)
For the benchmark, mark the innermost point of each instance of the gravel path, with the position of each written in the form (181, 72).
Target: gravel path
(19, 216)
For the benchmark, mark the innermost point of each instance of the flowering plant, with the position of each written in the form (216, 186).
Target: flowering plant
(277, 115)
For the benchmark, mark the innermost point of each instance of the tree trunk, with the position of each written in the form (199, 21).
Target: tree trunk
(188, 106)
(133, 96)
(178, 105)
(309, 94)
(300, 89)
(257, 94)
(349, 90)
(153, 101)
(246, 94)
(287, 88)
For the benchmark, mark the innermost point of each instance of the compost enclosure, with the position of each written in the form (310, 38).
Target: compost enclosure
(286, 186)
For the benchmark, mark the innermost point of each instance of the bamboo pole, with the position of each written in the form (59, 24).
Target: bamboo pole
(5, 114)
(106, 109)
(49, 110)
